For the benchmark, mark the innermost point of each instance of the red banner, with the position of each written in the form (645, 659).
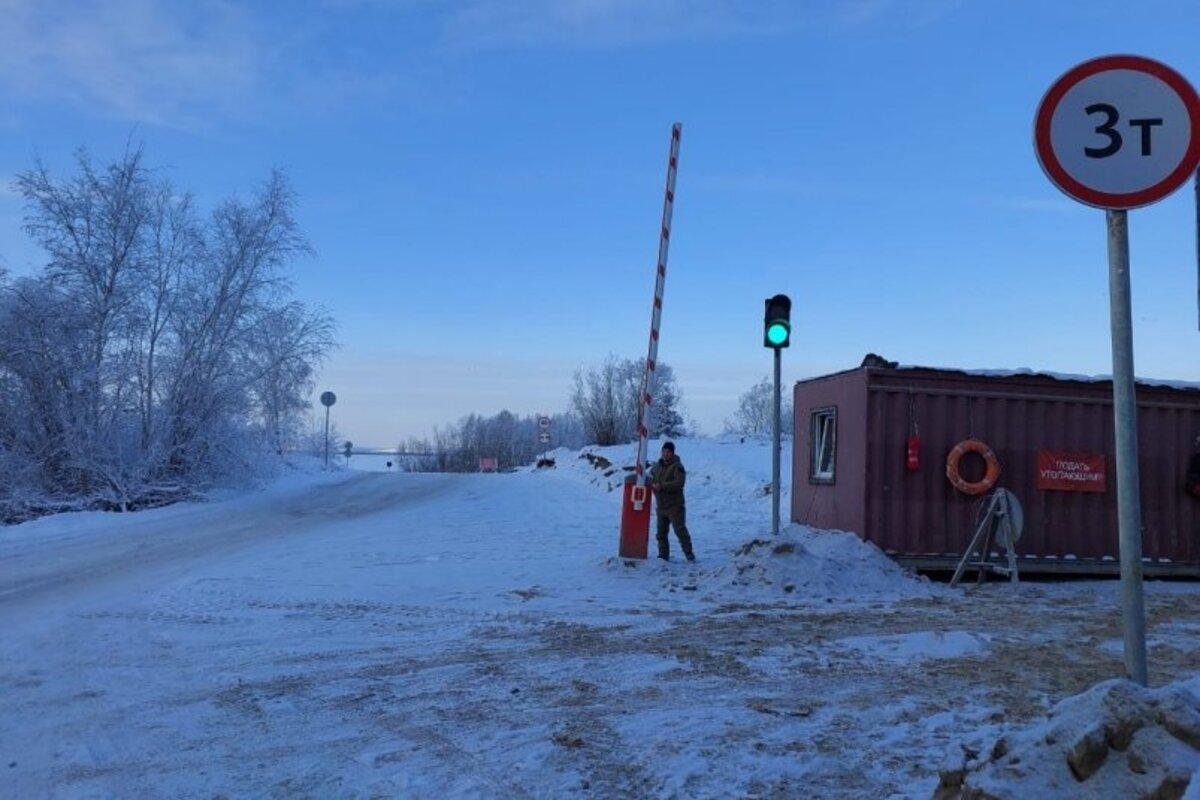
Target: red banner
(1071, 472)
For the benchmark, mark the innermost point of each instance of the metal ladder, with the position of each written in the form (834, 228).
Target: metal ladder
(1001, 523)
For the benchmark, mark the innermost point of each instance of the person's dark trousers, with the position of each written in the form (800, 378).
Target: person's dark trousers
(673, 518)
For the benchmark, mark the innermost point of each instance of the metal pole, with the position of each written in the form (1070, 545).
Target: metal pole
(1129, 503)
(1198, 247)
(775, 448)
(326, 437)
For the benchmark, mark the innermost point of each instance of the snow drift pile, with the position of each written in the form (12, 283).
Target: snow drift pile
(826, 564)
(1117, 739)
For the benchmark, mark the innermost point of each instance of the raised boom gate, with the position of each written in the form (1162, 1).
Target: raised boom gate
(635, 499)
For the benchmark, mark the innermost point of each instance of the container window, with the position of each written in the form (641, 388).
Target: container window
(823, 461)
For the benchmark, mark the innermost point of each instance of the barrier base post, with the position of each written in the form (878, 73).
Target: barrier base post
(635, 522)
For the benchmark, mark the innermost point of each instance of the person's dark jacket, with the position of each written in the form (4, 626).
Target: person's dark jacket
(1193, 475)
(668, 478)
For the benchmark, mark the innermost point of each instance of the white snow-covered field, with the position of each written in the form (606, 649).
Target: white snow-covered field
(366, 634)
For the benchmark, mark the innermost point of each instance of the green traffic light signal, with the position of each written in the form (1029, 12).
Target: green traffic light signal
(777, 322)
(777, 334)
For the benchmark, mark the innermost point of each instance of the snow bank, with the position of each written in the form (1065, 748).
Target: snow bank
(1117, 739)
(825, 564)
(274, 477)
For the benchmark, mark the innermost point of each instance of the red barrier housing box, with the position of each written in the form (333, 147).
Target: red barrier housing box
(1071, 472)
(635, 523)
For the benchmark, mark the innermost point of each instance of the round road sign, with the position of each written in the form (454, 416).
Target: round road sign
(328, 399)
(1118, 132)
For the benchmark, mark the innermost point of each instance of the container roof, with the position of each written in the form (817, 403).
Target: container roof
(873, 361)
(1058, 376)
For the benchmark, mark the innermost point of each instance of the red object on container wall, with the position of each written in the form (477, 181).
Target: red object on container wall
(1071, 472)
(635, 524)
(912, 454)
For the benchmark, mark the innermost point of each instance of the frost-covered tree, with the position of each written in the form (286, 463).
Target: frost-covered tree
(601, 399)
(157, 350)
(665, 418)
(755, 411)
(607, 397)
(312, 441)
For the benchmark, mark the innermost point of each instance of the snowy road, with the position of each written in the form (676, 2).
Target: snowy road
(422, 636)
(81, 564)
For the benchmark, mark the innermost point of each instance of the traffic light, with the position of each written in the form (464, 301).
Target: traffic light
(777, 322)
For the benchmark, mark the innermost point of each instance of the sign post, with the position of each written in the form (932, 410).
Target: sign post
(1116, 133)
(327, 400)
(544, 435)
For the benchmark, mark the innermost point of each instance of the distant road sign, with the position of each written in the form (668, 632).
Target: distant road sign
(1119, 132)
(328, 399)
(544, 423)
(544, 438)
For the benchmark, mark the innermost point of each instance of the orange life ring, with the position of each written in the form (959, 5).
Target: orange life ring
(989, 478)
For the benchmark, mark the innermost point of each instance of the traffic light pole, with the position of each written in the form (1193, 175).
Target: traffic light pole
(777, 334)
(775, 449)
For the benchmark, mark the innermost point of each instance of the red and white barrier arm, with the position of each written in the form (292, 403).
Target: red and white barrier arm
(660, 279)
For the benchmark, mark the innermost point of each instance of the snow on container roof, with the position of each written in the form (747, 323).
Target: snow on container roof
(878, 362)
(1058, 376)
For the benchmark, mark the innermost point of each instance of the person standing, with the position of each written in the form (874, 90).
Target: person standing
(667, 478)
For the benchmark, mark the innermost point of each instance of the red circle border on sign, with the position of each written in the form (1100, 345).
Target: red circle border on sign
(1063, 180)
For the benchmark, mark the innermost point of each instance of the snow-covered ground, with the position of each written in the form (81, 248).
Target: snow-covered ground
(366, 634)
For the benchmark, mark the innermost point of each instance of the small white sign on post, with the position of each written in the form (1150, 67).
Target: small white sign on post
(1121, 132)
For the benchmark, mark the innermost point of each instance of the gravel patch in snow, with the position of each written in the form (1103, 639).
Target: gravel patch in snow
(917, 646)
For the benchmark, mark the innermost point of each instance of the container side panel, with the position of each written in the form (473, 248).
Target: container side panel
(920, 513)
(838, 505)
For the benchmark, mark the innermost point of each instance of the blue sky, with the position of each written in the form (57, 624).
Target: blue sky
(482, 179)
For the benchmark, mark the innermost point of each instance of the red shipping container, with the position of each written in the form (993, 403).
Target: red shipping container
(854, 479)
